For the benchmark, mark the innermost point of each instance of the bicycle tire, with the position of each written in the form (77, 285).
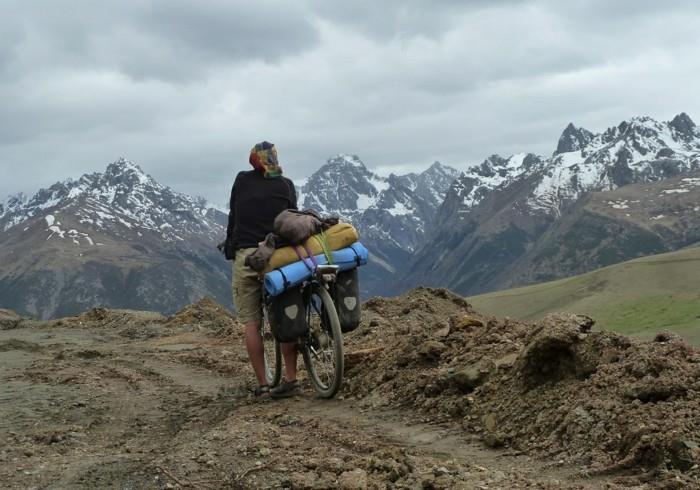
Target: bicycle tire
(324, 390)
(271, 349)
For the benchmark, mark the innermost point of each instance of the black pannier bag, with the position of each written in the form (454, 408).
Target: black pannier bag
(287, 316)
(346, 292)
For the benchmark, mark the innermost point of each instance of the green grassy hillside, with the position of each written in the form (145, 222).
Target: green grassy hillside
(639, 297)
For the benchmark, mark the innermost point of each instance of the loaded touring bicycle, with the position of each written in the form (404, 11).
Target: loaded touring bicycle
(312, 302)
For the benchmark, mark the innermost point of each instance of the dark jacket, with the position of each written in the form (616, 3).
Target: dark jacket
(255, 203)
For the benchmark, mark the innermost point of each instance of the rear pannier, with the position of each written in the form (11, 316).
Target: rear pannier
(346, 292)
(288, 315)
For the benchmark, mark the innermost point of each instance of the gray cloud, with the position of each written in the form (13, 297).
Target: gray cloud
(185, 88)
(163, 39)
(403, 18)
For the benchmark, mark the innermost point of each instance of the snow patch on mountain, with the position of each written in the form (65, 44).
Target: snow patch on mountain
(623, 204)
(495, 172)
(399, 209)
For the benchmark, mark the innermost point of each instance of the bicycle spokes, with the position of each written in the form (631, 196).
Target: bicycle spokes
(271, 354)
(323, 358)
(323, 346)
(321, 343)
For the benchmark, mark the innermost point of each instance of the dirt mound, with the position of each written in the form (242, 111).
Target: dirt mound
(555, 388)
(569, 407)
(108, 318)
(206, 313)
(131, 324)
(9, 319)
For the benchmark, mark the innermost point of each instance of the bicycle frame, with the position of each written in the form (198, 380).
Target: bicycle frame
(317, 292)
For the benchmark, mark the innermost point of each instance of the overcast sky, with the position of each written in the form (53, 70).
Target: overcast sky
(185, 88)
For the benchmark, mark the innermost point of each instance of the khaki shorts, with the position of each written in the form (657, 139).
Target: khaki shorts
(247, 288)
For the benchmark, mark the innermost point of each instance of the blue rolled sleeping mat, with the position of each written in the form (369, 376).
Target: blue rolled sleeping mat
(278, 280)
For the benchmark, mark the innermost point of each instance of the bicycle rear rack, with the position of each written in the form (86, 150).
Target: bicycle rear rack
(327, 273)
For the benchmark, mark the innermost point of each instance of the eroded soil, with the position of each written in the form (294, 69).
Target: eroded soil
(120, 399)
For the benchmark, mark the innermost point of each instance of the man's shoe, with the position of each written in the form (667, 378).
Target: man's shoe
(262, 392)
(285, 389)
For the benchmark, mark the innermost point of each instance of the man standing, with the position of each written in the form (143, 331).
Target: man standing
(257, 197)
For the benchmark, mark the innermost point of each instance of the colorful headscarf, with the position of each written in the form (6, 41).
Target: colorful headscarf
(263, 157)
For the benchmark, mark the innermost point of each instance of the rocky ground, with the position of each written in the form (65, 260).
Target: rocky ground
(436, 396)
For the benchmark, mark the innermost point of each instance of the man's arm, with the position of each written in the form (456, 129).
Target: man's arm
(227, 246)
(231, 213)
(292, 195)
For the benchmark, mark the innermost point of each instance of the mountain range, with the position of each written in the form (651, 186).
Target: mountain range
(527, 218)
(122, 240)
(116, 239)
(394, 214)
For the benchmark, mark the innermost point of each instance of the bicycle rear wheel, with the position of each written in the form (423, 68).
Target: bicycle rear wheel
(272, 352)
(322, 349)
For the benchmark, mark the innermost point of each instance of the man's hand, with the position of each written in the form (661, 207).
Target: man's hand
(221, 246)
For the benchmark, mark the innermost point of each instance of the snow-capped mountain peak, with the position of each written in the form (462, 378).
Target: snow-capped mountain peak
(123, 200)
(438, 168)
(345, 160)
(343, 186)
(126, 172)
(637, 150)
(473, 185)
(389, 211)
(113, 238)
(12, 202)
(573, 139)
(684, 126)
(10, 207)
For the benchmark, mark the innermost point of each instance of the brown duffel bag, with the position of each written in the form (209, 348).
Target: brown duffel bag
(297, 226)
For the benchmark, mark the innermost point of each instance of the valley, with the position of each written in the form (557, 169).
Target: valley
(639, 297)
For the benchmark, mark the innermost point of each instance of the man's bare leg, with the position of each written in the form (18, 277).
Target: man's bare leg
(289, 352)
(256, 353)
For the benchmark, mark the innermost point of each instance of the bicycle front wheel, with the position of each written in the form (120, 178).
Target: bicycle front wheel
(322, 349)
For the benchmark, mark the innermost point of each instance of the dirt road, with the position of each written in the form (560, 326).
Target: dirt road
(130, 400)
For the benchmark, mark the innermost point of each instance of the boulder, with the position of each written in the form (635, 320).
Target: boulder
(467, 322)
(467, 379)
(9, 319)
(684, 454)
(431, 350)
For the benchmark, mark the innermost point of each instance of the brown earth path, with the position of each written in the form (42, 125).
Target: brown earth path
(152, 407)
